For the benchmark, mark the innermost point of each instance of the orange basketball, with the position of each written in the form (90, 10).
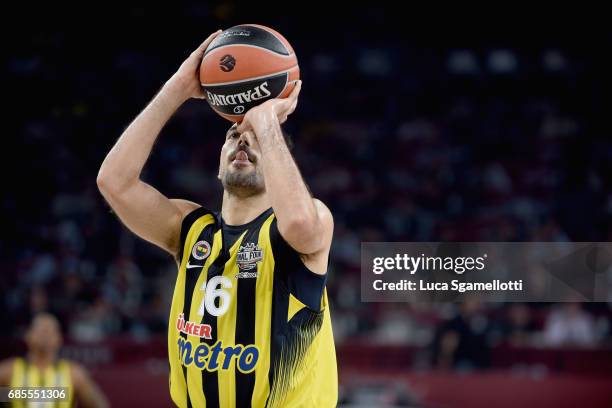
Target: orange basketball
(246, 65)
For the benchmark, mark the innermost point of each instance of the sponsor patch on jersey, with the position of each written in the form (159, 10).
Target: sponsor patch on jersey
(193, 328)
(218, 356)
(201, 250)
(248, 257)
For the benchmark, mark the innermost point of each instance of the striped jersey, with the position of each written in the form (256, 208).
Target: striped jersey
(249, 324)
(30, 375)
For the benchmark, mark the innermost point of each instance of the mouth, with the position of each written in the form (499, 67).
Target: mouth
(241, 158)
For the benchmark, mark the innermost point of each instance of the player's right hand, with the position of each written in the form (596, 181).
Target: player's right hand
(186, 81)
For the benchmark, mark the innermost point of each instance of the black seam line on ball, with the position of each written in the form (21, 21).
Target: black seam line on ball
(239, 81)
(291, 54)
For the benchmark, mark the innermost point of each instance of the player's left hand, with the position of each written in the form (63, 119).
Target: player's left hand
(258, 117)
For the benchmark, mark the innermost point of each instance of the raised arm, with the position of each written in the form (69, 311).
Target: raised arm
(142, 208)
(304, 222)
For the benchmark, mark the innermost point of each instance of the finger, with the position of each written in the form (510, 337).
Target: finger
(289, 107)
(294, 101)
(292, 107)
(243, 126)
(295, 91)
(206, 42)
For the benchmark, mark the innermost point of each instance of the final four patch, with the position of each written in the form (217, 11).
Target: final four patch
(248, 256)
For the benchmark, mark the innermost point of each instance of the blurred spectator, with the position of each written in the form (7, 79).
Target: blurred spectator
(461, 342)
(516, 326)
(123, 287)
(95, 323)
(394, 325)
(569, 325)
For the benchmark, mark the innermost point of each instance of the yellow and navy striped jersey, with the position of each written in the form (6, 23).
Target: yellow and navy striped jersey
(29, 375)
(249, 323)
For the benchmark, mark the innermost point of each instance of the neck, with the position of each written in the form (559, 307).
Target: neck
(240, 210)
(41, 358)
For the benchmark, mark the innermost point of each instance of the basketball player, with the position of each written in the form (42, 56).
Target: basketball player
(249, 323)
(42, 368)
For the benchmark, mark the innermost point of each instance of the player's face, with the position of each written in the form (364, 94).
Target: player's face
(239, 171)
(44, 334)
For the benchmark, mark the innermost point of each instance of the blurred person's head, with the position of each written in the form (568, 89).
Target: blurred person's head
(470, 306)
(44, 335)
(537, 281)
(519, 315)
(446, 347)
(572, 309)
(239, 165)
(571, 306)
(73, 284)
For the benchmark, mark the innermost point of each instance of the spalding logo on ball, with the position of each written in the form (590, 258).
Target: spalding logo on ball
(246, 65)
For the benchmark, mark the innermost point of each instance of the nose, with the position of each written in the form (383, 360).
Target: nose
(244, 139)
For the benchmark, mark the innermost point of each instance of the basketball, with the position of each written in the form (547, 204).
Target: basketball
(245, 66)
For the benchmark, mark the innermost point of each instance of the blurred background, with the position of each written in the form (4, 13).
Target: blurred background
(410, 129)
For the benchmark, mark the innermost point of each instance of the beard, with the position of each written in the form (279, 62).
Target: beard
(241, 184)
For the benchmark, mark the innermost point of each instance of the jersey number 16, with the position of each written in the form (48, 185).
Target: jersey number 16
(213, 289)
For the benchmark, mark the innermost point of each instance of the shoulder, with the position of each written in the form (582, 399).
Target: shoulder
(78, 372)
(184, 206)
(7, 363)
(6, 370)
(190, 218)
(190, 212)
(197, 212)
(86, 391)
